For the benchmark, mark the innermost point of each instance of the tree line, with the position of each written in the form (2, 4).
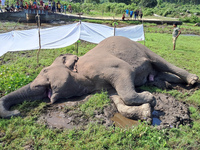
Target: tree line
(144, 3)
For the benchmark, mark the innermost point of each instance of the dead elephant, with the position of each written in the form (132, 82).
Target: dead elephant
(116, 62)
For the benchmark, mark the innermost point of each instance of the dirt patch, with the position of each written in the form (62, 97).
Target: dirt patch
(168, 113)
(171, 112)
(68, 115)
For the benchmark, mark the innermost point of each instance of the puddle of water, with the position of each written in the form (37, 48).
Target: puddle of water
(155, 117)
(156, 121)
(123, 122)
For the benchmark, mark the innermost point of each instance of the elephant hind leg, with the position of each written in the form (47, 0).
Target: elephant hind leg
(142, 112)
(171, 78)
(192, 79)
(162, 65)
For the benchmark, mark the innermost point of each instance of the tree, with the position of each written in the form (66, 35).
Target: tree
(148, 3)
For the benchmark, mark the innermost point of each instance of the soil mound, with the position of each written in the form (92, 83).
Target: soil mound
(168, 112)
(171, 112)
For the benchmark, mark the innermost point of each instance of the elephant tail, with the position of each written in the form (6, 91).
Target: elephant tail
(16, 97)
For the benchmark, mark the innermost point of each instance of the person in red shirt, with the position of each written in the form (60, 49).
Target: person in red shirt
(123, 16)
(26, 5)
(70, 8)
(41, 3)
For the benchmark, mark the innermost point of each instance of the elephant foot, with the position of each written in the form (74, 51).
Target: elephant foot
(142, 112)
(146, 96)
(192, 79)
(136, 99)
(9, 114)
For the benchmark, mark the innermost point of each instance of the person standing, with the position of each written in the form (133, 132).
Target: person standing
(131, 13)
(31, 2)
(70, 8)
(135, 14)
(127, 11)
(176, 32)
(65, 8)
(123, 17)
(59, 6)
(41, 2)
(53, 6)
(2, 5)
(26, 5)
(140, 13)
(49, 4)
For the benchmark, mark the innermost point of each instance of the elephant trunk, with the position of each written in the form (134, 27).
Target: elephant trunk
(18, 96)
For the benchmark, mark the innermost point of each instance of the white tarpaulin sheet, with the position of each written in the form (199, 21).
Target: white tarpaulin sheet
(134, 33)
(95, 33)
(62, 36)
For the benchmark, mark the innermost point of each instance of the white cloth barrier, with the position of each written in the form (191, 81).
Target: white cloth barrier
(135, 33)
(62, 36)
(95, 33)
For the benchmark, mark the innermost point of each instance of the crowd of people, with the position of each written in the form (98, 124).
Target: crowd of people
(51, 6)
(129, 14)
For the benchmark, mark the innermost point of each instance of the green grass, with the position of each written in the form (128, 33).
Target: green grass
(25, 133)
(95, 103)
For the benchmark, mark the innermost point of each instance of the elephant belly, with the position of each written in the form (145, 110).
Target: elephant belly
(143, 69)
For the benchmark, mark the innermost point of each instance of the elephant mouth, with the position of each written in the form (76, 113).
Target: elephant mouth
(49, 93)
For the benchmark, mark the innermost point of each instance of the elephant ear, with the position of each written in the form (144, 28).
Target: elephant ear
(70, 62)
(41, 80)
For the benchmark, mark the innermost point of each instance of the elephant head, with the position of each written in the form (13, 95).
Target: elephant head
(59, 80)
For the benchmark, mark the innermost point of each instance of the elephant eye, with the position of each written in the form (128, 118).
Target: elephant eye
(64, 59)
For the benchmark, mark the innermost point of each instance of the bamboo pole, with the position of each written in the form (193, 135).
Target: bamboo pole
(144, 31)
(114, 24)
(114, 28)
(39, 37)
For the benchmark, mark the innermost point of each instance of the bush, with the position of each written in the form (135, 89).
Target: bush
(168, 12)
(149, 3)
(148, 12)
(192, 19)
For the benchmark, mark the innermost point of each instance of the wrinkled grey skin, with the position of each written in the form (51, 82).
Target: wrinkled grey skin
(116, 62)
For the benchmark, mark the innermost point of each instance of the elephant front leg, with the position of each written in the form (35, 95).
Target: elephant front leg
(142, 112)
(123, 82)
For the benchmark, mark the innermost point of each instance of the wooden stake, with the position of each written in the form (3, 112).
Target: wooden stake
(144, 31)
(114, 28)
(39, 37)
(76, 48)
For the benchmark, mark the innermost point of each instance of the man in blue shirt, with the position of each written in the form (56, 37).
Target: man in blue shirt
(131, 13)
(127, 11)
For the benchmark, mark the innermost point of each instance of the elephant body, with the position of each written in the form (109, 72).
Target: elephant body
(116, 62)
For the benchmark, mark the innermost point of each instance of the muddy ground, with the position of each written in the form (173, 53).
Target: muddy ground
(167, 113)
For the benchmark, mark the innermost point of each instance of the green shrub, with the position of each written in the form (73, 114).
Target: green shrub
(192, 19)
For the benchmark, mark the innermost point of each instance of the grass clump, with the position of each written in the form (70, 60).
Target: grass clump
(95, 103)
